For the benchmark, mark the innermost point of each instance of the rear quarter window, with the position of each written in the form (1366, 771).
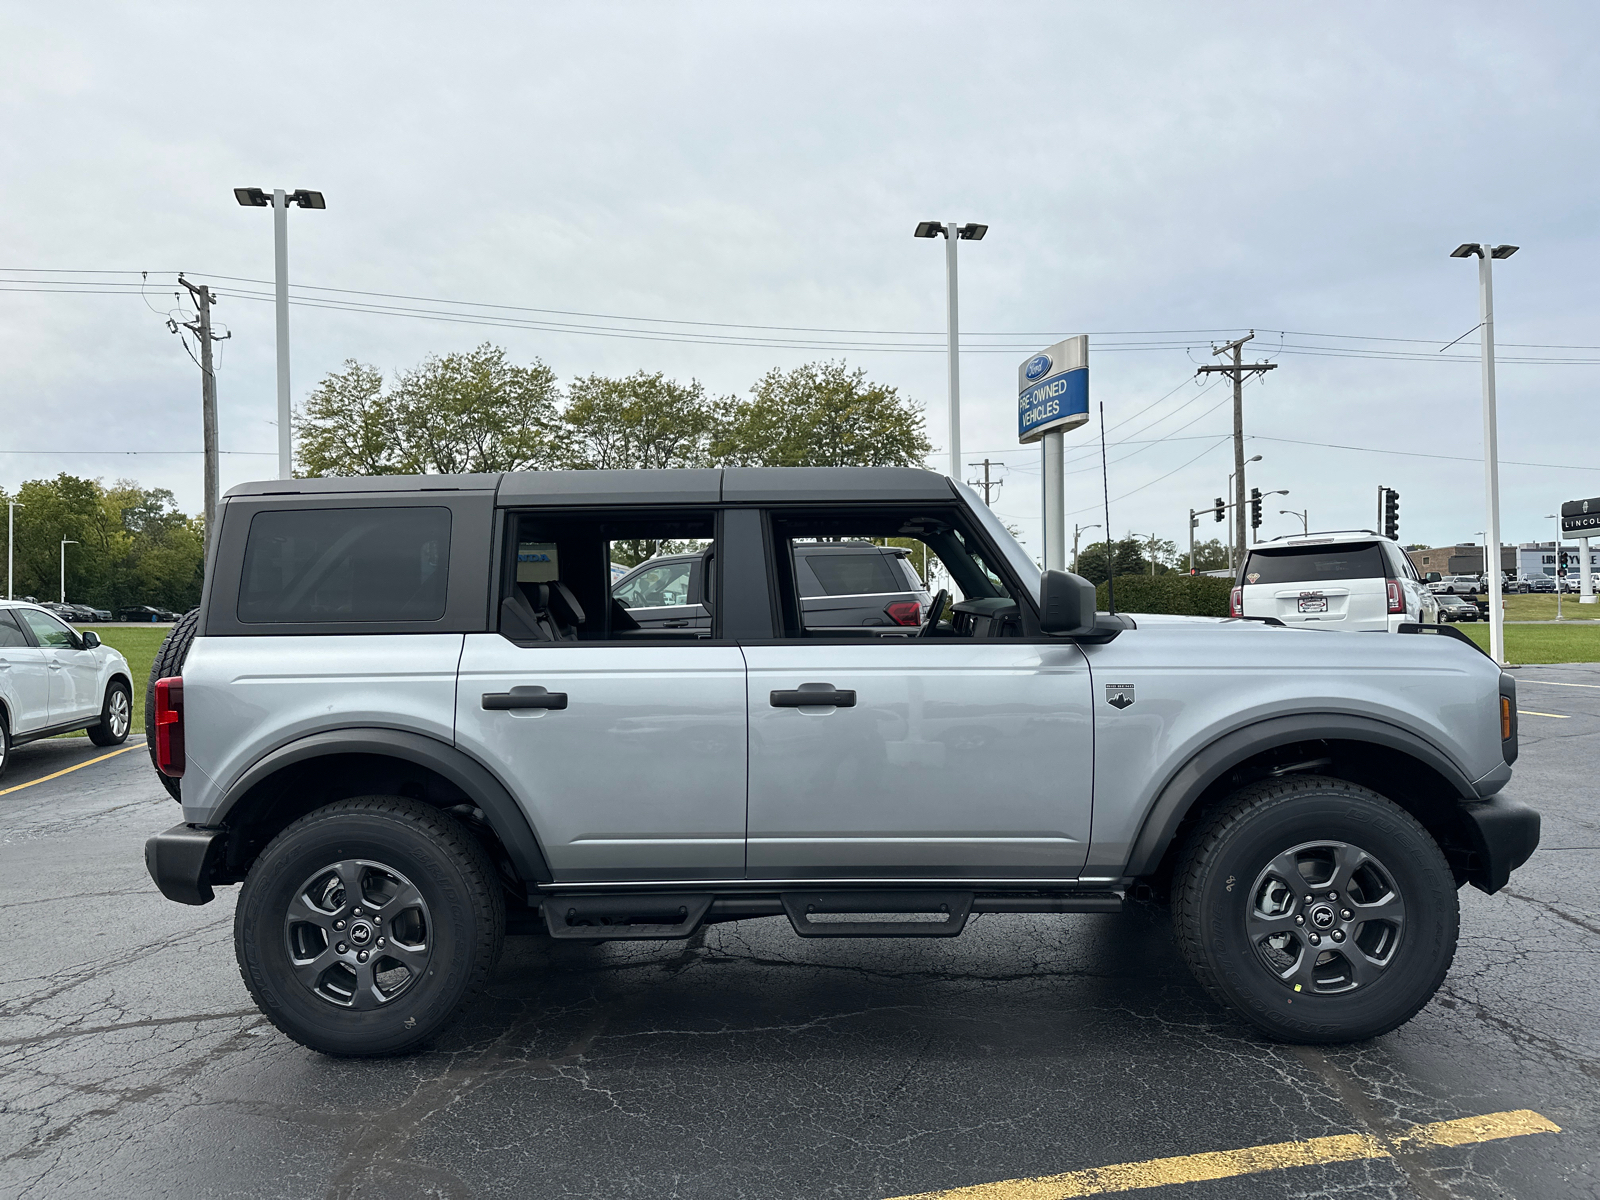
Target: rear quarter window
(854, 574)
(1314, 564)
(346, 564)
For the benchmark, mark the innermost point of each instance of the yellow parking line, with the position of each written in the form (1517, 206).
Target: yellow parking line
(1528, 712)
(1225, 1164)
(69, 770)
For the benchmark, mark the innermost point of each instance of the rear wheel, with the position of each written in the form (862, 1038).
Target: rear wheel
(1317, 910)
(168, 662)
(116, 716)
(5, 744)
(365, 926)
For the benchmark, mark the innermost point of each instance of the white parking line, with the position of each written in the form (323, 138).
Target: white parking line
(1559, 683)
(1528, 712)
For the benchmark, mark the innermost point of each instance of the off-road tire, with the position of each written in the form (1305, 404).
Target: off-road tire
(104, 734)
(1212, 893)
(434, 852)
(168, 662)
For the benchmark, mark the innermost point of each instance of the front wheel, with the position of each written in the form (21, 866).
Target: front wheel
(1316, 909)
(116, 716)
(365, 926)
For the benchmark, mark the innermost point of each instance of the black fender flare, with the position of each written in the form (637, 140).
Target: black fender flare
(1209, 764)
(500, 808)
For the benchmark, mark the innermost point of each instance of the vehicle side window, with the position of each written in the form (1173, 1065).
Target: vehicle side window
(657, 587)
(346, 564)
(10, 632)
(558, 582)
(47, 631)
(857, 556)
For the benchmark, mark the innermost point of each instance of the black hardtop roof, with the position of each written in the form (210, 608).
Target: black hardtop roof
(701, 485)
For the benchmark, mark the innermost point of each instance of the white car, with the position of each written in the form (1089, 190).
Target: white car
(54, 679)
(1353, 580)
(1457, 585)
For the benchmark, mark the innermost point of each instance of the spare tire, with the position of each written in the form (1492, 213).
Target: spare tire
(168, 662)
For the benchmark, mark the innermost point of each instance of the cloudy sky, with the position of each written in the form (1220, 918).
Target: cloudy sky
(702, 188)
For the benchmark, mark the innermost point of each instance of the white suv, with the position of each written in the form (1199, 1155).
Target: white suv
(1353, 580)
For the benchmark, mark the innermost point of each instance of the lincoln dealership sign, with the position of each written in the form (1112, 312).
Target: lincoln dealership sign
(1053, 389)
(1581, 518)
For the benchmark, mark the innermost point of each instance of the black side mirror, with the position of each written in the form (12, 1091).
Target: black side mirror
(1066, 603)
(91, 639)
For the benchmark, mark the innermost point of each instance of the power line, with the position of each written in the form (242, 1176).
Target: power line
(1504, 462)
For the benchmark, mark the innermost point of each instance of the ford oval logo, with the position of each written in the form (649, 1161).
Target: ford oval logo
(1037, 366)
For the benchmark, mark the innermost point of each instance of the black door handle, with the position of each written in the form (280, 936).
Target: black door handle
(809, 695)
(523, 697)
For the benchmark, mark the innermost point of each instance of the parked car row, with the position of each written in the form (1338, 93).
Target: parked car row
(80, 613)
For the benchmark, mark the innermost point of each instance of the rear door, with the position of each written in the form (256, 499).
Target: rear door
(624, 745)
(24, 677)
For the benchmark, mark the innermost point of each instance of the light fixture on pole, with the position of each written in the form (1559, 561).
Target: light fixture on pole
(1078, 531)
(952, 233)
(279, 202)
(1305, 525)
(11, 541)
(1485, 255)
(65, 542)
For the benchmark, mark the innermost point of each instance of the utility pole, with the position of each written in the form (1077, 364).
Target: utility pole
(987, 484)
(1153, 539)
(1078, 530)
(65, 542)
(1238, 369)
(201, 328)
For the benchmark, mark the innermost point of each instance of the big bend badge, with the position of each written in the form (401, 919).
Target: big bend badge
(1119, 695)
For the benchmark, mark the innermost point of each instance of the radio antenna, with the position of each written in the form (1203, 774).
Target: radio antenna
(1111, 545)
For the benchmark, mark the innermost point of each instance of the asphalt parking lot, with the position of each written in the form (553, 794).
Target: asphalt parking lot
(751, 1063)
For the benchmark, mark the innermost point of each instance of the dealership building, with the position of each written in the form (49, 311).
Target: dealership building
(1527, 559)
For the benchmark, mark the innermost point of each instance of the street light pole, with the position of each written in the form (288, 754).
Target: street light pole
(65, 542)
(1557, 557)
(952, 233)
(11, 541)
(1305, 524)
(279, 202)
(1491, 445)
(1076, 531)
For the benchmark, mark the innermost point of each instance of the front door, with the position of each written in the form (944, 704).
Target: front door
(956, 760)
(74, 671)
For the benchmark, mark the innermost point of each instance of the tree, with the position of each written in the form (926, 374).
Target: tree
(644, 420)
(821, 415)
(456, 413)
(1210, 555)
(347, 426)
(1128, 557)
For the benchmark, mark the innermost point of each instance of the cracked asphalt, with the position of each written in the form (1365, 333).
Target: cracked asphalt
(750, 1063)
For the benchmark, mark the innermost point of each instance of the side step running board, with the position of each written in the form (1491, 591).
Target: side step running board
(640, 916)
(850, 914)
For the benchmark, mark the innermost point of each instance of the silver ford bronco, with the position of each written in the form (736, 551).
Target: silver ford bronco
(409, 713)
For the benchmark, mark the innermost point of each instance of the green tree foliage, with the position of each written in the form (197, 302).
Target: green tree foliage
(1128, 553)
(134, 546)
(644, 420)
(821, 415)
(1186, 595)
(1210, 555)
(456, 413)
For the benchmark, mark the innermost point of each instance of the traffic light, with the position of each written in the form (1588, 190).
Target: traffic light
(1561, 563)
(1255, 508)
(1391, 514)
(1219, 509)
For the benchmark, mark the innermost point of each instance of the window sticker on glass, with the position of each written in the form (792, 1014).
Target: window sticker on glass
(1253, 576)
(537, 562)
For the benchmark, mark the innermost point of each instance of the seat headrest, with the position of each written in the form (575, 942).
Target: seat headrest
(557, 599)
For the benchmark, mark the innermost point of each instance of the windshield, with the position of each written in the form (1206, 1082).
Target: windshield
(1314, 564)
(1027, 570)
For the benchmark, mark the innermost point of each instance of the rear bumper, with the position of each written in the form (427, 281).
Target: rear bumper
(1504, 834)
(181, 862)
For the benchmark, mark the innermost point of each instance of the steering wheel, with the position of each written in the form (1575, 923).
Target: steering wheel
(934, 609)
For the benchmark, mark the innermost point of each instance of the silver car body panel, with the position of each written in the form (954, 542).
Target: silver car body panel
(46, 687)
(641, 775)
(959, 759)
(1196, 679)
(246, 696)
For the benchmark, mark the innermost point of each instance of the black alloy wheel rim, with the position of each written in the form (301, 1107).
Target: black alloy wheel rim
(1325, 918)
(358, 934)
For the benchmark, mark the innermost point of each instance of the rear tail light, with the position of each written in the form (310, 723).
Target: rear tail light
(1397, 597)
(1236, 602)
(905, 612)
(169, 726)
